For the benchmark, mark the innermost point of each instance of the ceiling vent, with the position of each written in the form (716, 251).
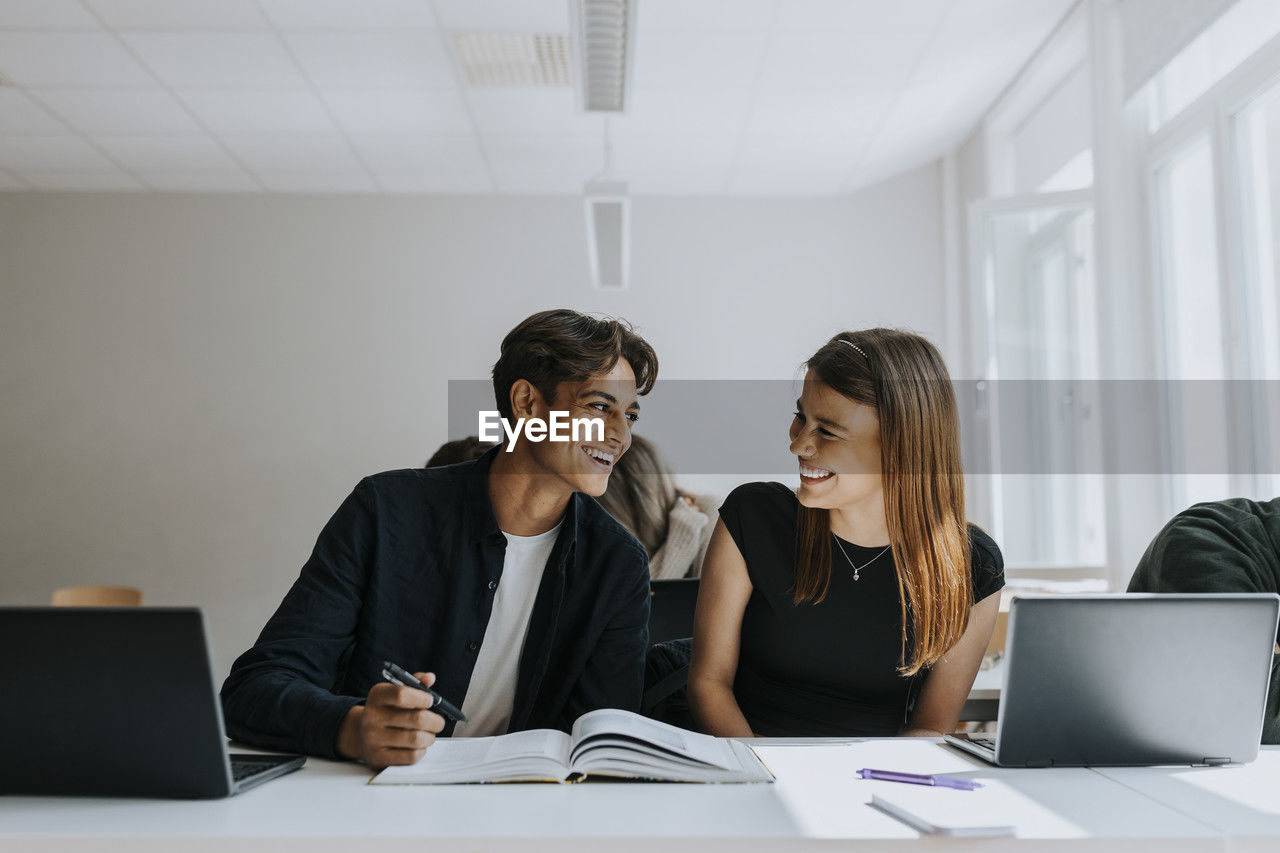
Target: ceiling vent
(525, 60)
(605, 31)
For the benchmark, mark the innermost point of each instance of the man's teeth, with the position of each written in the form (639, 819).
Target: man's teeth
(607, 458)
(814, 473)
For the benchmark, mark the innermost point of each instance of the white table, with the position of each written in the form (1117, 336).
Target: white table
(1242, 801)
(817, 803)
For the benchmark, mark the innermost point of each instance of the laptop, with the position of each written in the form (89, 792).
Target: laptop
(671, 605)
(1132, 680)
(116, 701)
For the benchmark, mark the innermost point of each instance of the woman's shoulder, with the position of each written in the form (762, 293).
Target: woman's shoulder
(753, 495)
(986, 563)
(983, 550)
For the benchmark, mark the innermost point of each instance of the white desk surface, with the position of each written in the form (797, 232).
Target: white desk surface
(1242, 801)
(817, 803)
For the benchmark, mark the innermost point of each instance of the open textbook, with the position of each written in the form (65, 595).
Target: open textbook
(605, 743)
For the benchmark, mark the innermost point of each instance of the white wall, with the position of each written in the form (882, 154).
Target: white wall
(191, 384)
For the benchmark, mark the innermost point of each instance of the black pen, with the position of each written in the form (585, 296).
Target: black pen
(398, 675)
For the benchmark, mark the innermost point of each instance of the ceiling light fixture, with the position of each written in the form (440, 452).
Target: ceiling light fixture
(605, 42)
(608, 209)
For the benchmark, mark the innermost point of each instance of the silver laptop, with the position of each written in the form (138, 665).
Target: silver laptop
(1136, 679)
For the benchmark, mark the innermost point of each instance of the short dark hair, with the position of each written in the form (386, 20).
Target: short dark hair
(561, 345)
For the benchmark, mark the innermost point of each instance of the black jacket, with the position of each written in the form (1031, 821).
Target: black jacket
(406, 571)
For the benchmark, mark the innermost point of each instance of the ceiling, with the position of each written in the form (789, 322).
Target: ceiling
(728, 97)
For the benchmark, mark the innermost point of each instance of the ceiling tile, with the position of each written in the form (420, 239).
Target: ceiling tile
(167, 153)
(526, 16)
(428, 111)
(682, 153)
(45, 14)
(50, 153)
(863, 16)
(718, 15)
(217, 60)
(178, 14)
(676, 182)
(721, 111)
(524, 182)
(199, 182)
(119, 112)
(292, 111)
(542, 111)
(785, 184)
(882, 61)
(407, 154)
(446, 181)
(74, 181)
(682, 61)
(319, 182)
(280, 154)
(566, 155)
(817, 112)
(70, 60)
(20, 114)
(826, 114)
(373, 60)
(836, 156)
(346, 14)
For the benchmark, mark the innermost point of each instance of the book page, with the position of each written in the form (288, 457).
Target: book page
(484, 758)
(611, 724)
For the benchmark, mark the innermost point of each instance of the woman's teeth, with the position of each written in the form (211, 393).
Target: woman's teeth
(814, 473)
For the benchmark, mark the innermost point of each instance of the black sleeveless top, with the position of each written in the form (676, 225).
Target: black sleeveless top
(828, 669)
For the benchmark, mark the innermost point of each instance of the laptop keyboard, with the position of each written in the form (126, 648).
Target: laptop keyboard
(988, 742)
(243, 767)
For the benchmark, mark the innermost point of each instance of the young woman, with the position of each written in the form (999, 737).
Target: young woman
(860, 603)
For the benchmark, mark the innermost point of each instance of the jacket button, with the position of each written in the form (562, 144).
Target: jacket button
(471, 647)
(493, 585)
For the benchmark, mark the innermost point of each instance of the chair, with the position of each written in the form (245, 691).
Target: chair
(671, 604)
(96, 596)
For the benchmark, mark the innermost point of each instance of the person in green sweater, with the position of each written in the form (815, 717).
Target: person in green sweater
(1221, 546)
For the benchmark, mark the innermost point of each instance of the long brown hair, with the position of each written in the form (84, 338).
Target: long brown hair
(642, 491)
(903, 377)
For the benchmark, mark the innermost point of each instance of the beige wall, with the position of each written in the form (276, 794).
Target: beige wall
(191, 384)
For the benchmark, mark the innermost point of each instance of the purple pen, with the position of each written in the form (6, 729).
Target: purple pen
(917, 779)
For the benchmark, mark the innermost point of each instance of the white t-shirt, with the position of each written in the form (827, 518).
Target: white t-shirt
(492, 691)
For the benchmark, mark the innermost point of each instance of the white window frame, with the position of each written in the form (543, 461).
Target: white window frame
(988, 489)
(1211, 116)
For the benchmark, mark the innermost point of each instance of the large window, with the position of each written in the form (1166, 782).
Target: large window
(1212, 150)
(1033, 271)
(1257, 154)
(1047, 492)
(1240, 32)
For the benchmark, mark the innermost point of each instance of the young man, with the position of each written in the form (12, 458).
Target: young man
(1220, 546)
(499, 580)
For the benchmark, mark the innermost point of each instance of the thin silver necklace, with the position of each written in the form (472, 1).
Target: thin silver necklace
(857, 568)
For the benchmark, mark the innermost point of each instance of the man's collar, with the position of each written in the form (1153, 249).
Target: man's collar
(484, 524)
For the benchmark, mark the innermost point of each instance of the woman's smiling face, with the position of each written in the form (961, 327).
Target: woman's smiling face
(837, 442)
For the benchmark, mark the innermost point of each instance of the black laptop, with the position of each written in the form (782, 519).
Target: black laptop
(116, 701)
